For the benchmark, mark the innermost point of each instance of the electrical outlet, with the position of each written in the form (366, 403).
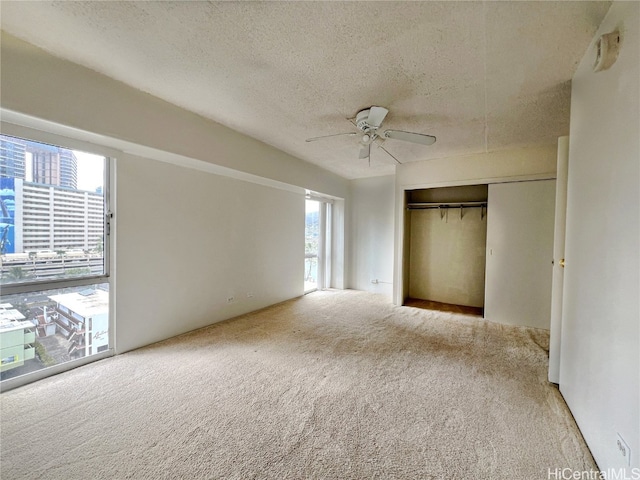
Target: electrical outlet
(623, 450)
(230, 299)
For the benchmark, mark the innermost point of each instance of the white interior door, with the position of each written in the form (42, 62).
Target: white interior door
(520, 222)
(558, 260)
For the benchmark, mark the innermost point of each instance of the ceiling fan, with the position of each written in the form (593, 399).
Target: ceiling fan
(368, 121)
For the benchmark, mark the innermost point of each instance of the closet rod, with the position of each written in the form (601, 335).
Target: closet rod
(412, 206)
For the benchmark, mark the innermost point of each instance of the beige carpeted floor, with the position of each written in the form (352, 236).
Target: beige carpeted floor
(337, 385)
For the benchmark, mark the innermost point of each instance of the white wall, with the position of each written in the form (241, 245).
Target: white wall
(371, 234)
(338, 241)
(599, 364)
(519, 252)
(534, 163)
(189, 233)
(187, 241)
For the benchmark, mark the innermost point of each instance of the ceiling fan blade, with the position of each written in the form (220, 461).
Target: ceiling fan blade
(376, 116)
(410, 137)
(365, 151)
(313, 139)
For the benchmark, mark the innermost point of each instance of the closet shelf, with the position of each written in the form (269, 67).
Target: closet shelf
(422, 205)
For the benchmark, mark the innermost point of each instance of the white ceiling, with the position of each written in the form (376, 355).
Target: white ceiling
(480, 76)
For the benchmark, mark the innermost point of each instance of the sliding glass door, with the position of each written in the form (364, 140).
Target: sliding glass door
(312, 239)
(317, 244)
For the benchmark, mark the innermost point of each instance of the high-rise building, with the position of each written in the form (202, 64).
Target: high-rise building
(50, 231)
(54, 218)
(38, 162)
(40, 206)
(12, 157)
(53, 165)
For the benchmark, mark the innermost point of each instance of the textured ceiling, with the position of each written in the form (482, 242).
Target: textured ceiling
(480, 76)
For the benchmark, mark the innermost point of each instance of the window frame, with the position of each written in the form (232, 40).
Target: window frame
(49, 137)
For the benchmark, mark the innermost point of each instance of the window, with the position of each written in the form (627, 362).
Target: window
(9, 360)
(54, 252)
(317, 254)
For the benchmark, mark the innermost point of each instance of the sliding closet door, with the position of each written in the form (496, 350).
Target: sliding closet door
(519, 253)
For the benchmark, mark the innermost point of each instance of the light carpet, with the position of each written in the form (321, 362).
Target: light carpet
(335, 384)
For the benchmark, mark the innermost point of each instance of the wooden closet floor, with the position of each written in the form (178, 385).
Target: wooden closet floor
(443, 307)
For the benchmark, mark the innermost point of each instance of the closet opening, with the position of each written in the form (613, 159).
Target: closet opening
(446, 230)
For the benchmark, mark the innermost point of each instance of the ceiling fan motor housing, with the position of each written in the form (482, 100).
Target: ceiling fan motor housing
(361, 120)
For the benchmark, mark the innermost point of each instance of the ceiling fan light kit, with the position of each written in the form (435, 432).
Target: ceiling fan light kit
(368, 121)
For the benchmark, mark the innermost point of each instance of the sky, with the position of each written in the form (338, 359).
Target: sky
(90, 171)
(312, 206)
